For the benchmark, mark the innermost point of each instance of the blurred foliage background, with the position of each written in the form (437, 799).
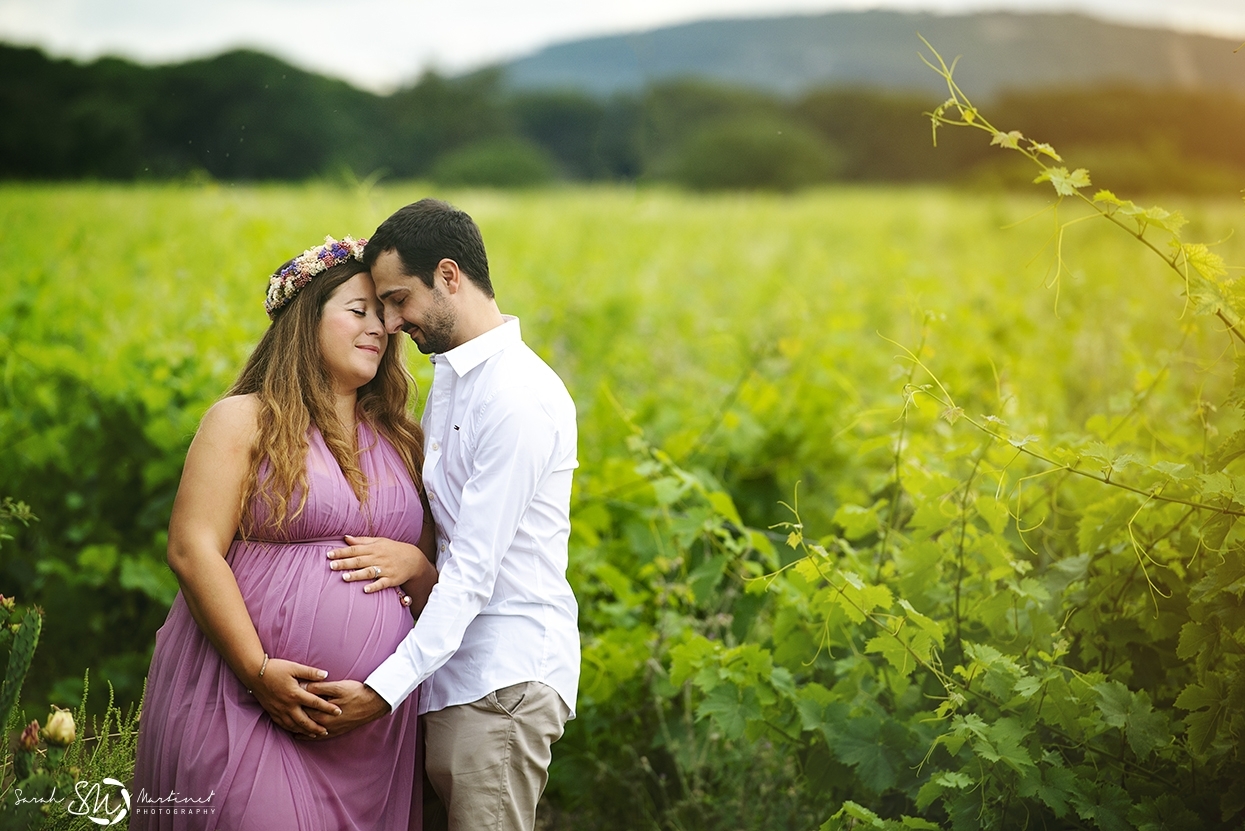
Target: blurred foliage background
(247, 116)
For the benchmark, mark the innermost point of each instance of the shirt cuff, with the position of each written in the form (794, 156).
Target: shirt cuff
(394, 680)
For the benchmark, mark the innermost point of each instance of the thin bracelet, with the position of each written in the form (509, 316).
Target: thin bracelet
(262, 667)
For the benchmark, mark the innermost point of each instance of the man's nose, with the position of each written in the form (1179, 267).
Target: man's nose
(393, 322)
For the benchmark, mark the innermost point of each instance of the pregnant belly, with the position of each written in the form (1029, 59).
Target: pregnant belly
(305, 612)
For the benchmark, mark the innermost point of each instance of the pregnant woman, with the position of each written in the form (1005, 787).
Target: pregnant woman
(312, 443)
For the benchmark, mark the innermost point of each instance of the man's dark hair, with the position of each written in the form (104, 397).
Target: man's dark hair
(426, 232)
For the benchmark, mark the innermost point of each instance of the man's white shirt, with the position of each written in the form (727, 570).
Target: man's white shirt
(499, 445)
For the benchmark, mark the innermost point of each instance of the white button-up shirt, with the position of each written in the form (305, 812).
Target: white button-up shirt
(499, 433)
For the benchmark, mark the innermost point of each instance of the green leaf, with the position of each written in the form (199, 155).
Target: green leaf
(1005, 743)
(1204, 261)
(1114, 701)
(730, 708)
(1057, 788)
(1207, 700)
(954, 779)
(928, 794)
(1045, 149)
(725, 506)
(857, 522)
(1194, 638)
(1172, 470)
(1011, 140)
(705, 578)
(687, 659)
(858, 599)
(1171, 221)
(1103, 521)
(828, 717)
(784, 682)
(895, 653)
(1105, 804)
(1202, 728)
(1028, 686)
(1109, 198)
(861, 747)
(1146, 729)
(994, 512)
(1079, 178)
(1197, 697)
(1231, 448)
(1165, 813)
(851, 816)
(927, 624)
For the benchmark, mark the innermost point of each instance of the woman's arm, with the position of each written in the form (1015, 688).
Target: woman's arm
(204, 521)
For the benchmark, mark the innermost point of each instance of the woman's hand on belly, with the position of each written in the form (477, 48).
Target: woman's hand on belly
(287, 703)
(384, 563)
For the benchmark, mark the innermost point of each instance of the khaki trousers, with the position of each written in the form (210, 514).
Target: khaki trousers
(488, 761)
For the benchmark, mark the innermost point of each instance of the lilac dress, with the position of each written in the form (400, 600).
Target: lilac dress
(202, 734)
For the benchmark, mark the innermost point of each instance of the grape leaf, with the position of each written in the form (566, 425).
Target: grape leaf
(1010, 140)
(1204, 261)
(1065, 183)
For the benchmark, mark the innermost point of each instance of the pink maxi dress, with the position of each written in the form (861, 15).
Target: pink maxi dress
(209, 757)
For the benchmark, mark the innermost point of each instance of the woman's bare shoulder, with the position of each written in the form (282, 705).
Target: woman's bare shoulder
(234, 417)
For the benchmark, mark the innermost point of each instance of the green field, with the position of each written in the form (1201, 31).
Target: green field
(728, 354)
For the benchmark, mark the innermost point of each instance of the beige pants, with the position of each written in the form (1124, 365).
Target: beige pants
(488, 761)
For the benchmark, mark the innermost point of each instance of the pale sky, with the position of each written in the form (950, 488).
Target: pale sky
(381, 44)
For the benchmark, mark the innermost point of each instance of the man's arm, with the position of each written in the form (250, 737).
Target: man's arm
(515, 446)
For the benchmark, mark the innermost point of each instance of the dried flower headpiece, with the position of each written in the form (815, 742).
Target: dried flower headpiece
(286, 283)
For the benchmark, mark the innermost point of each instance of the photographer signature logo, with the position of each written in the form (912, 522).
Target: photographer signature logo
(93, 800)
(107, 802)
(96, 805)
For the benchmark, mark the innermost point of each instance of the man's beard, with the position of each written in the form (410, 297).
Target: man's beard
(438, 328)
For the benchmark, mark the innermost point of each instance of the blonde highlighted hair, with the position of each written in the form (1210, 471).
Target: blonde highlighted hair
(286, 373)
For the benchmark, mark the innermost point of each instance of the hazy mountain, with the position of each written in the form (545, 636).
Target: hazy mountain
(879, 49)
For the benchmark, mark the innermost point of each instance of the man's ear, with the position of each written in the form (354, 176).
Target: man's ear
(449, 275)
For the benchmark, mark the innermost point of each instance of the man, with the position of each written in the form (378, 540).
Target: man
(497, 645)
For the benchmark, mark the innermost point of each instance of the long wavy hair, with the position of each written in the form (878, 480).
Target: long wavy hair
(287, 374)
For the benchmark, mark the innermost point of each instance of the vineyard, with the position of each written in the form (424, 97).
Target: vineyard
(897, 508)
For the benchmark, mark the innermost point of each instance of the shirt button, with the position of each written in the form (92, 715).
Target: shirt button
(432, 497)
(436, 445)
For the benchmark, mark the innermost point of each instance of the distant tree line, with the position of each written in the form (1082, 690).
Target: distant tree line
(247, 116)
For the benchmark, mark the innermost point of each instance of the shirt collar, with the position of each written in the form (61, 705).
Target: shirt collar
(466, 357)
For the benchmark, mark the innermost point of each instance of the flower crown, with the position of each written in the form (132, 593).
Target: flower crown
(286, 283)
